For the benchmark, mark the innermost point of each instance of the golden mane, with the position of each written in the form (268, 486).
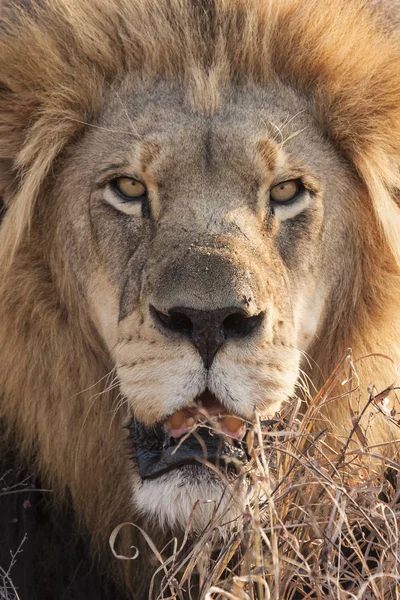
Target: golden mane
(57, 59)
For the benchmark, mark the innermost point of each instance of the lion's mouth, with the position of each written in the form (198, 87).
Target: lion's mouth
(202, 432)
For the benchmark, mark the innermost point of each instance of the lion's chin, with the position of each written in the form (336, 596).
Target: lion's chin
(192, 497)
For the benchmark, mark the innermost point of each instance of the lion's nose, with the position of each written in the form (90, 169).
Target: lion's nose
(208, 330)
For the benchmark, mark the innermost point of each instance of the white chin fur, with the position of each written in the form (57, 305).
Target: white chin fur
(169, 500)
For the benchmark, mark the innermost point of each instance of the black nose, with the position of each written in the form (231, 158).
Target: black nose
(208, 330)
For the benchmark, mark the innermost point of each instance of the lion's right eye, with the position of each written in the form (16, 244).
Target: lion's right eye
(129, 196)
(129, 189)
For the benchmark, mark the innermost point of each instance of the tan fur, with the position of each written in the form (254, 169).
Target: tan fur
(57, 63)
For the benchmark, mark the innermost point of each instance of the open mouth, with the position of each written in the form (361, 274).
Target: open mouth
(205, 431)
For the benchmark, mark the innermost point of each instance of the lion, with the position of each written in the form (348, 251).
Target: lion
(200, 214)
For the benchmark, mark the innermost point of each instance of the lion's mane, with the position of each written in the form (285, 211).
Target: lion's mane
(57, 60)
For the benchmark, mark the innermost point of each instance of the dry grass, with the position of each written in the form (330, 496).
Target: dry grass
(323, 522)
(7, 588)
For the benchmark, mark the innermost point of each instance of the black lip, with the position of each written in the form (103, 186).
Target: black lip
(157, 453)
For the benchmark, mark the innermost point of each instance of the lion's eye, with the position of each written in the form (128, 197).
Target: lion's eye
(286, 191)
(128, 196)
(128, 188)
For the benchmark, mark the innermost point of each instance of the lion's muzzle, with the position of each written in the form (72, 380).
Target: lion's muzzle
(208, 293)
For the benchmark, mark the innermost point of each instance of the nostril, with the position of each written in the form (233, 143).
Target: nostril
(238, 325)
(174, 322)
(180, 322)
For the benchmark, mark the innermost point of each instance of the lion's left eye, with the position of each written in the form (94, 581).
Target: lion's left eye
(286, 191)
(129, 189)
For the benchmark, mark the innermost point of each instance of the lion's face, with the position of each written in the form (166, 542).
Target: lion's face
(200, 244)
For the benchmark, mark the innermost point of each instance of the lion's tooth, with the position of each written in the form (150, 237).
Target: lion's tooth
(177, 420)
(233, 423)
(190, 421)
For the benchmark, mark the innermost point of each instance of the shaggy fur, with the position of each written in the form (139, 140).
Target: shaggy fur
(58, 59)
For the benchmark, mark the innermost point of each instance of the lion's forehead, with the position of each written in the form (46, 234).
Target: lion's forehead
(179, 135)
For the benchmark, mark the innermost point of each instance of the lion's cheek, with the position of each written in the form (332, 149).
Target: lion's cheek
(309, 315)
(104, 308)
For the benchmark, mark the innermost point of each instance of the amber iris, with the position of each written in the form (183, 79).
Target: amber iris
(285, 191)
(130, 188)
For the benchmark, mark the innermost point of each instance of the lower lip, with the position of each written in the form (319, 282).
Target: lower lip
(156, 455)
